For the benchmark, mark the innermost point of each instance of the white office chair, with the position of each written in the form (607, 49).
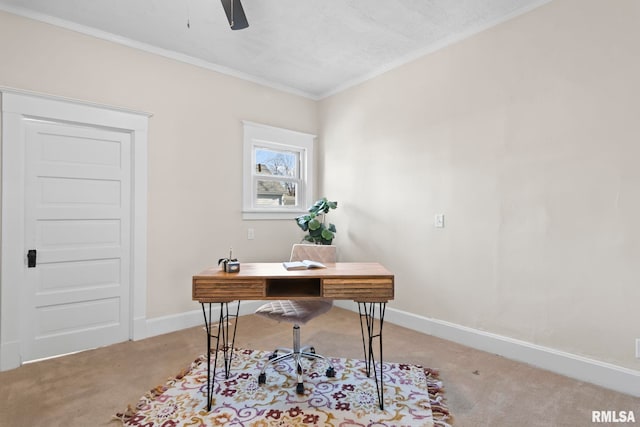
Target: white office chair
(299, 312)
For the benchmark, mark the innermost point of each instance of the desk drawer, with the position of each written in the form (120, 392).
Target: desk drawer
(377, 290)
(228, 290)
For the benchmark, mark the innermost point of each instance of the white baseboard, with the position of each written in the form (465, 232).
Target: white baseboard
(176, 322)
(604, 374)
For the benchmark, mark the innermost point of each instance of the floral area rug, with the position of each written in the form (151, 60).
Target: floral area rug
(413, 396)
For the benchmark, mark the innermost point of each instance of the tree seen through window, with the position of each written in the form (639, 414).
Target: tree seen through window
(270, 163)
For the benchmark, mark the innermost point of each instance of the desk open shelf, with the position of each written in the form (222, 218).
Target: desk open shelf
(298, 287)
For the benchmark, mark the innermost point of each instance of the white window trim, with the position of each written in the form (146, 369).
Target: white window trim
(264, 135)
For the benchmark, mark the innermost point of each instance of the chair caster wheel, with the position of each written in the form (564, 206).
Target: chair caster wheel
(262, 378)
(273, 355)
(331, 372)
(300, 388)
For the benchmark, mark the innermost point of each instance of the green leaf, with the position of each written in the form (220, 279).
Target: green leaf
(316, 234)
(317, 206)
(302, 223)
(328, 235)
(314, 224)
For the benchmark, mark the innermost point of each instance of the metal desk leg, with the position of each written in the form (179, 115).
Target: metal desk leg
(368, 312)
(223, 333)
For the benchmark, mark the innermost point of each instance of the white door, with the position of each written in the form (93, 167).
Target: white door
(78, 222)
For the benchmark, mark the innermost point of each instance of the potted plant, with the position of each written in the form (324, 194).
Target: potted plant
(319, 232)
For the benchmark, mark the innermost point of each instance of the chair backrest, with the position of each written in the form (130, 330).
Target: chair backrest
(320, 253)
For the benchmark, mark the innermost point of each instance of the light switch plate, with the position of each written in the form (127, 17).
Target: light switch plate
(439, 221)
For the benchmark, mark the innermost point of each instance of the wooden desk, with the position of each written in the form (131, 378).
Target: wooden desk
(368, 284)
(358, 281)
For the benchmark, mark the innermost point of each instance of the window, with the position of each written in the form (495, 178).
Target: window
(277, 172)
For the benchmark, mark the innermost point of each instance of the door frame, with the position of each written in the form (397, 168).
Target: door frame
(17, 104)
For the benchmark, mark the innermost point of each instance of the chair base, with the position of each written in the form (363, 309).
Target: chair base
(296, 353)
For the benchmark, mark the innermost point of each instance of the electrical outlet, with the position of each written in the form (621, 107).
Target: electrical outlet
(251, 234)
(638, 348)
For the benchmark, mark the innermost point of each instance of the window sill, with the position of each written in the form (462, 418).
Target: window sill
(288, 215)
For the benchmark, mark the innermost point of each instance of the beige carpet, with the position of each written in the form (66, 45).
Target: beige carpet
(482, 389)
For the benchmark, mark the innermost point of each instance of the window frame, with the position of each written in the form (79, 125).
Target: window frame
(279, 139)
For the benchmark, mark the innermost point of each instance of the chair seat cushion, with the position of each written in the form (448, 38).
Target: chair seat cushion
(294, 311)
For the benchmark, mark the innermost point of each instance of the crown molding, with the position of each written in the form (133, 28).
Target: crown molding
(124, 41)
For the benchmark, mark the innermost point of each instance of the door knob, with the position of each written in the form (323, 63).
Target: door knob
(31, 258)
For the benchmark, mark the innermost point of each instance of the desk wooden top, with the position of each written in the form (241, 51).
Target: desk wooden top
(359, 281)
(277, 270)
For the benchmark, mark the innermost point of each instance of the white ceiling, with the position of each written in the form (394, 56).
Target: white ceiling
(309, 47)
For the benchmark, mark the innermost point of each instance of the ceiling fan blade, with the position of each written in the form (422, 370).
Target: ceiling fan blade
(235, 14)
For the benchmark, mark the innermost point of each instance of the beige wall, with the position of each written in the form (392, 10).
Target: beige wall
(527, 138)
(195, 144)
